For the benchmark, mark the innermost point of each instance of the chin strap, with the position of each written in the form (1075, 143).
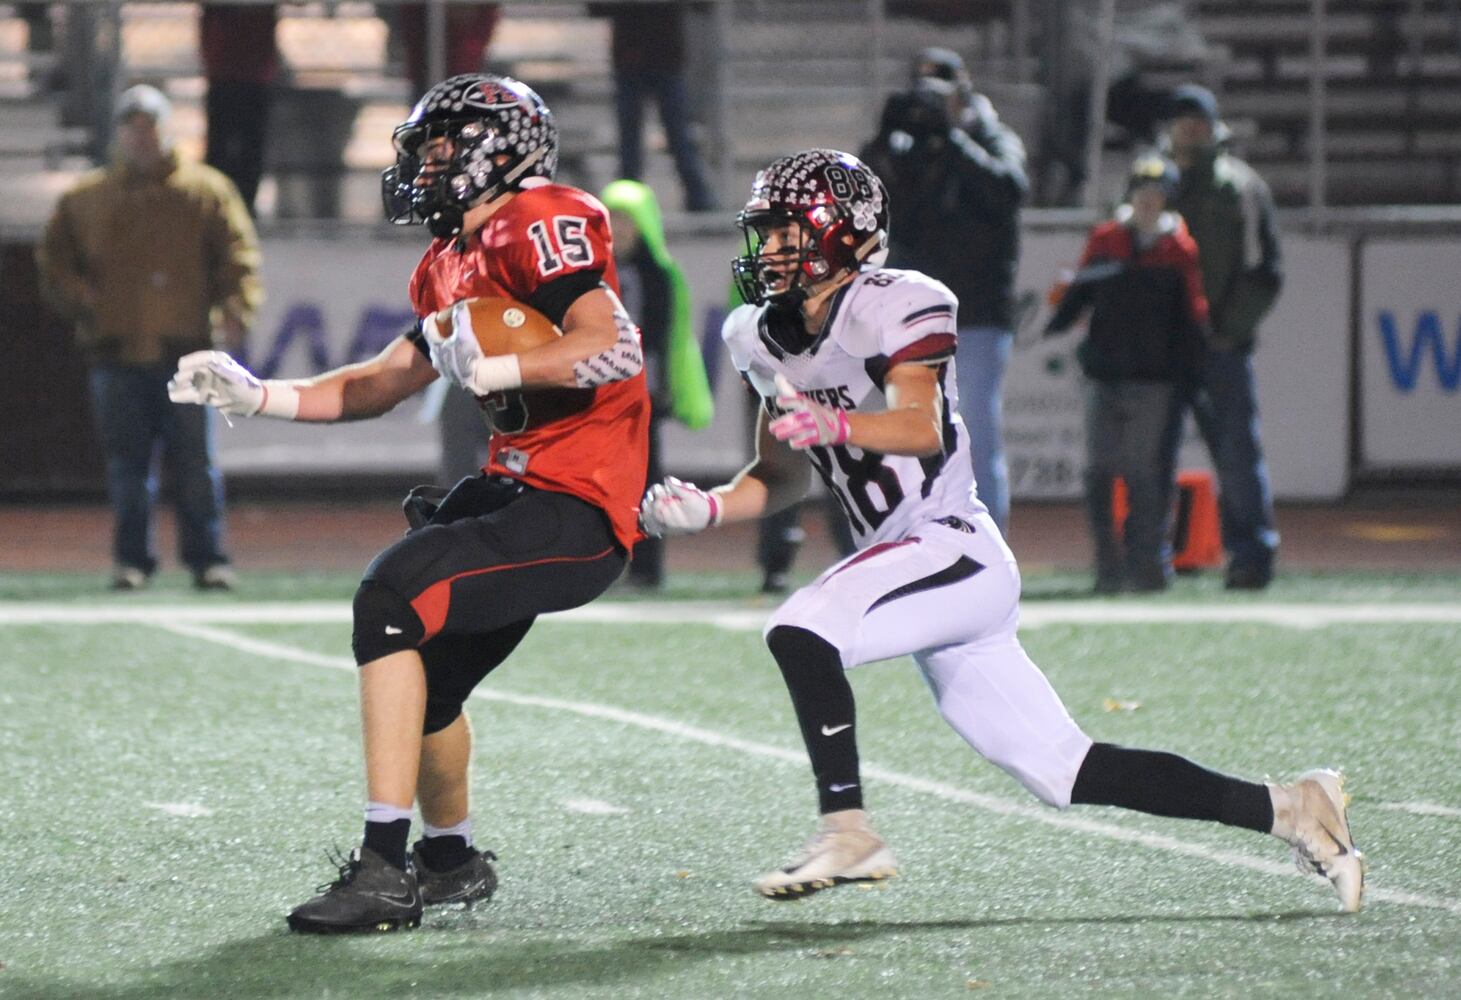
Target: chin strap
(446, 221)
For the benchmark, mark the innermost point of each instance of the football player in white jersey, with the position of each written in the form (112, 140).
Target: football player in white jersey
(854, 365)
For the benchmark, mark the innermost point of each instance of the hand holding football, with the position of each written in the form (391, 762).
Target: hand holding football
(500, 325)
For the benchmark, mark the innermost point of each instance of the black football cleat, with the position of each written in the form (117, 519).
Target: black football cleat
(472, 880)
(370, 895)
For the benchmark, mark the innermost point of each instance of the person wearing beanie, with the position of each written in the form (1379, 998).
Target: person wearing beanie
(1139, 280)
(1230, 215)
(153, 257)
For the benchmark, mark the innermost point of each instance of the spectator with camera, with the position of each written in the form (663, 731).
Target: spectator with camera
(1139, 278)
(956, 179)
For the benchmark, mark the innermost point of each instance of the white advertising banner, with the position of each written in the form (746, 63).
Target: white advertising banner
(1410, 354)
(332, 301)
(1303, 364)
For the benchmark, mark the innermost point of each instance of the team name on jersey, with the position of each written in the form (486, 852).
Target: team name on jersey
(839, 397)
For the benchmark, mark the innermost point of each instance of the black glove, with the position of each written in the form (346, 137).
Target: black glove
(421, 504)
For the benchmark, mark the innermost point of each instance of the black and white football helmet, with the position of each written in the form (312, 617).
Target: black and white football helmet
(837, 200)
(487, 118)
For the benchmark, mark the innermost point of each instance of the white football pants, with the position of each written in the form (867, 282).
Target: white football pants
(950, 598)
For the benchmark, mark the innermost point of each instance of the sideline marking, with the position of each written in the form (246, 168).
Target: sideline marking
(739, 617)
(593, 807)
(1421, 808)
(187, 810)
(990, 803)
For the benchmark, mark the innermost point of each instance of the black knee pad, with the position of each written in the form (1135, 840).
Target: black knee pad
(385, 623)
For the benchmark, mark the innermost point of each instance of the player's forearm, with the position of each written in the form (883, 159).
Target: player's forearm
(910, 430)
(742, 499)
(354, 392)
(757, 491)
(600, 345)
(554, 365)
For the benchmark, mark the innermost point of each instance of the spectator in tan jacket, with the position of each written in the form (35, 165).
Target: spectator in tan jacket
(153, 257)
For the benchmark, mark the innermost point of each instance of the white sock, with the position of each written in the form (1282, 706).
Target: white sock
(462, 829)
(383, 812)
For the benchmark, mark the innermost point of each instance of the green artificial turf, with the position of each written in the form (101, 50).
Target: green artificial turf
(112, 729)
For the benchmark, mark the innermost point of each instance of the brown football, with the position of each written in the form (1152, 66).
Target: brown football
(503, 326)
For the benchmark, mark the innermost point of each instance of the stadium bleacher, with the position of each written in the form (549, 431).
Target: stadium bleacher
(1393, 124)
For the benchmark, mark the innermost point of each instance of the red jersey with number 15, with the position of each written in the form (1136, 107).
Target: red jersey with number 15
(590, 443)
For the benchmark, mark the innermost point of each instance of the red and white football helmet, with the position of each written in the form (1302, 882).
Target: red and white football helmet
(841, 207)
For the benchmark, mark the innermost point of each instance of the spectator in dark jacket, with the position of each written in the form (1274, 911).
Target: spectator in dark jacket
(648, 48)
(1230, 213)
(241, 62)
(469, 31)
(1139, 279)
(956, 178)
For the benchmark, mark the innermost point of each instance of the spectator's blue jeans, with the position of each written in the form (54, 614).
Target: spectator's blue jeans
(1226, 410)
(673, 98)
(983, 355)
(135, 419)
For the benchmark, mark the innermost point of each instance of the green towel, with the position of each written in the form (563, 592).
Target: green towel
(689, 389)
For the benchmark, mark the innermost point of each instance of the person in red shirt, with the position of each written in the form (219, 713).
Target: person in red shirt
(1139, 279)
(241, 63)
(547, 524)
(469, 31)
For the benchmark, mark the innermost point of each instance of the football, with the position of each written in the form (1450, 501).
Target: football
(503, 326)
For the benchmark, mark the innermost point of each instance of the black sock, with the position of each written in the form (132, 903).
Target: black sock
(389, 840)
(824, 708)
(1164, 784)
(442, 854)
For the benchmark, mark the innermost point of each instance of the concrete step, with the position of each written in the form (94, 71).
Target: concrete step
(1368, 180)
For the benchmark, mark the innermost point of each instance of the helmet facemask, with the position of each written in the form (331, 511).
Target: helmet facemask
(787, 273)
(839, 209)
(469, 140)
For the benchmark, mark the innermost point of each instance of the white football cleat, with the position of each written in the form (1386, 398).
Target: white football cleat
(1310, 815)
(844, 849)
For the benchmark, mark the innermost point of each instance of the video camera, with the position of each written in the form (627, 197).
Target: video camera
(916, 117)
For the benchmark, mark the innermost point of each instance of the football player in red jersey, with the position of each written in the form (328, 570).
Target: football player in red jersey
(547, 524)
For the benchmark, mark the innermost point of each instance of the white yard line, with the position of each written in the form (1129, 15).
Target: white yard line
(741, 617)
(186, 810)
(669, 727)
(593, 807)
(1421, 809)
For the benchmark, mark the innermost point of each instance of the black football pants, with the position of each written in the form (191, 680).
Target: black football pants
(465, 588)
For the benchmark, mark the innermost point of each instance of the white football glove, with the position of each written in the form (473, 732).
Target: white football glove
(212, 378)
(458, 357)
(678, 508)
(807, 423)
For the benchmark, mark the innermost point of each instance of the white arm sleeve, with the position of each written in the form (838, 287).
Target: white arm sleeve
(622, 361)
